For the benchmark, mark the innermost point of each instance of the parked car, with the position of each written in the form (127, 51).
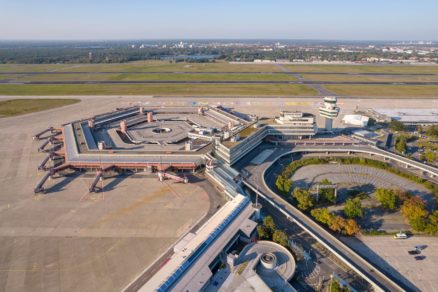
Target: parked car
(400, 235)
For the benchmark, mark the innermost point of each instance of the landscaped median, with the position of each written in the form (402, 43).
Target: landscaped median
(413, 208)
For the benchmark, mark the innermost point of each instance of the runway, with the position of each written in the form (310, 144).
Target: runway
(215, 73)
(302, 82)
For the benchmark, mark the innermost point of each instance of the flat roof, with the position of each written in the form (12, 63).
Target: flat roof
(411, 114)
(202, 236)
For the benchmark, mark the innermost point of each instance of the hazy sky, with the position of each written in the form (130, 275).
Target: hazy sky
(143, 19)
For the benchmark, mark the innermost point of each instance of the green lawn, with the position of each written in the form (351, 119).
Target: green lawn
(142, 66)
(152, 77)
(368, 78)
(160, 89)
(430, 91)
(15, 107)
(408, 69)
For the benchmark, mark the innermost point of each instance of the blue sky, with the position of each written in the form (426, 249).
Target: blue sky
(135, 19)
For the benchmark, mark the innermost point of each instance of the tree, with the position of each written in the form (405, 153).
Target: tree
(353, 208)
(280, 183)
(287, 185)
(263, 233)
(351, 227)
(432, 225)
(327, 195)
(402, 195)
(432, 131)
(322, 215)
(396, 125)
(414, 208)
(336, 287)
(429, 156)
(387, 198)
(269, 223)
(337, 223)
(281, 238)
(401, 144)
(303, 198)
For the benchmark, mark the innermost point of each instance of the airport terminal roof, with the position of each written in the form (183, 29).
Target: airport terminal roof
(412, 115)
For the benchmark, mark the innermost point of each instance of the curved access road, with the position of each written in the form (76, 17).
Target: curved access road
(260, 173)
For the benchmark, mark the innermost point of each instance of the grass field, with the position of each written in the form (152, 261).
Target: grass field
(407, 69)
(385, 90)
(368, 78)
(160, 89)
(141, 66)
(15, 107)
(152, 77)
(256, 72)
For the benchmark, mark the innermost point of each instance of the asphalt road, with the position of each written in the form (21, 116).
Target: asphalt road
(322, 265)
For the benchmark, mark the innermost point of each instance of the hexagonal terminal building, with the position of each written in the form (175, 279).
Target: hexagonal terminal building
(137, 138)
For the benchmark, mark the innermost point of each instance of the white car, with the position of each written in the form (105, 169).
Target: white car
(400, 235)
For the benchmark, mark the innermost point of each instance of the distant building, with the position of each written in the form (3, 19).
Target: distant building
(329, 110)
(412, 117)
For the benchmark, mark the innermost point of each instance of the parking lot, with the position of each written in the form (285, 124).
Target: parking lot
(392, 255)
(365, 179)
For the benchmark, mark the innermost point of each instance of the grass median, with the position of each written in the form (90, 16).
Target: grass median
(152, 77)
(15, 107)
(160, 89)
(392, 69)
(142, 66)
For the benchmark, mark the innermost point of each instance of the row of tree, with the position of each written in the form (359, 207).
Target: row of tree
(305, 200)
(335, 222)
(289, 170)
(268, 231)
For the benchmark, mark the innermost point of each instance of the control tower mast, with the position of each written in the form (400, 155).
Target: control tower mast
(329, 110)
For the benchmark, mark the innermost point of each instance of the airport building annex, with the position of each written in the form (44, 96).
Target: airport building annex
(164, 140)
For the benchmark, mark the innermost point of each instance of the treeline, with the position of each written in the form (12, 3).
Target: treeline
(71, 55)
(122, 52)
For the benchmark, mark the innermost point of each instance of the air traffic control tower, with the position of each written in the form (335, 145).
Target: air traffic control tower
(329, 110)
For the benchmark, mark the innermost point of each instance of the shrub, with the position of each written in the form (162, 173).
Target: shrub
(353, 208)
(281, 238)
(304, 199)
(387, 198)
